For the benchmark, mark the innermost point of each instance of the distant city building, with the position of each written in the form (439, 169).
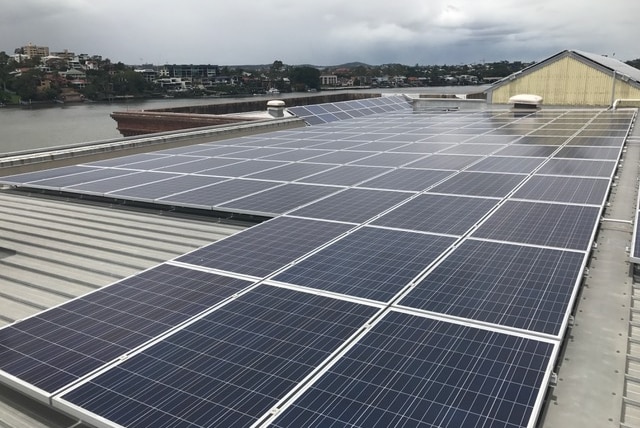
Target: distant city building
(329, 80)
(32, 50)
(65, 54)
(189, 71)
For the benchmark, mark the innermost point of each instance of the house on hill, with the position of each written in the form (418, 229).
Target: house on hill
(571, 78)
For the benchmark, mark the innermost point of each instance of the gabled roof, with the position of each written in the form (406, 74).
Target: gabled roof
(604, 62)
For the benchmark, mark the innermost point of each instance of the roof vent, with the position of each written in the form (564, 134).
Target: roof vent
(526, 101)
(275, 108)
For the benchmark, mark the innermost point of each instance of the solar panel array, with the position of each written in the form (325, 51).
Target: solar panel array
(420, 271)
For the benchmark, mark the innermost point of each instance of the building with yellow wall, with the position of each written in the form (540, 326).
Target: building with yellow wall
(571, 78)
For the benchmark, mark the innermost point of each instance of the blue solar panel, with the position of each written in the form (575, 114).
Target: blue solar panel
(345, 175)
(354, 205)
(82, 177)
(280, 199)
(265, 248)
(219, 193)
(439, 161)
(121, 182)
(292, 171)
(453, 215)
(411, 371)
(480, 184)
(229, 368)
(371, 263)
(407, 179)
(522, 165)
(579, 167)
(158, 189)
(578, 190)
(54, 348)
(47, 173)
(554, 225)
(512, 285)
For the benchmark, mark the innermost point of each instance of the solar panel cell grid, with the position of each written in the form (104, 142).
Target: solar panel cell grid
(564, 189)
(371, 263)
(553, 225)
(418, 372)
(219, 193)
(352, 205)
(280, 199)
(452, 215)
(480, 184)
(265, 248)
(164, 188)
(229, 368)
(407, 179)
(57, 347)
(512, 285)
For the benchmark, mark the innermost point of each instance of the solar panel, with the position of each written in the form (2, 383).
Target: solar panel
(345, 175)
(473, 149)
(290, 172)
(158, 189)
(160, 162)
(553, 225)
(341, 156)
(419, 372)
(576, 167)
(230, 367)
(596, 141)
(527, 150)
(438, 161)
(199, 164)
(121, 182)
(371, 263)
(576, 190)
(501, 271)
(267, 247)
(407, 179)
(219, 193)
(126, 160)
(81, 177)
(352, 205)
(600, 153)
(280, 199)
(480, 184)
(510, 164)
(56, 347)
(296, 155)
(452, 215)
(512, 285)
(388, 159)
(422, 148)
(243, 168)
(20, 179)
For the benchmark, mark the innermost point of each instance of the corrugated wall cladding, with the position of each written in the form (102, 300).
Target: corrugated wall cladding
(567, 82)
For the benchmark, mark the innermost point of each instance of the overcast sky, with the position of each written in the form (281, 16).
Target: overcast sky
(327, 32)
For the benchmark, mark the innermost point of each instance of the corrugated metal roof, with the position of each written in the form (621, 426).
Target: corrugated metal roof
(52, 250)
(612, 64)
(607, 62)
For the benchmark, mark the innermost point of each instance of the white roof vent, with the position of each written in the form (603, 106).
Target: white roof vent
(276, 108)
(526, 101)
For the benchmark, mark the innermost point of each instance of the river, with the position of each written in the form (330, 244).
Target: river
(24, 129)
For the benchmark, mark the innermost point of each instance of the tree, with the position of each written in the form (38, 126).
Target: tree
(4, 70)
(634, 63)
(305, 77)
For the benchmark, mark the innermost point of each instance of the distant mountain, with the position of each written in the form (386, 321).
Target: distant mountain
(266, 66)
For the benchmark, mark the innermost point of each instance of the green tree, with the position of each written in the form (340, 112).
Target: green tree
(634, 63)
(26, 85)
(305, 77)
